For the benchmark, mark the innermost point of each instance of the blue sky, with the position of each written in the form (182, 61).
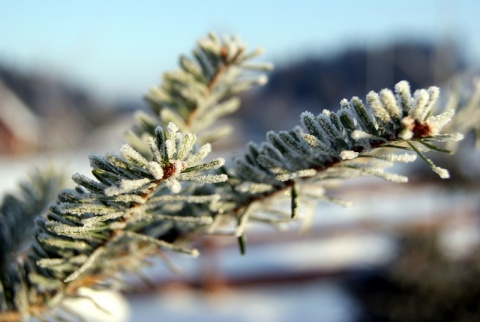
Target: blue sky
(122, 47)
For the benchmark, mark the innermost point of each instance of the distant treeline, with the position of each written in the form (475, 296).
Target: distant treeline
(51, 97)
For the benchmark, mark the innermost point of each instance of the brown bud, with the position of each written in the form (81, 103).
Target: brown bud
(224, 53)
(421, 130)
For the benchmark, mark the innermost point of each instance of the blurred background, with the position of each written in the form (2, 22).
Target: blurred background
(73, 73)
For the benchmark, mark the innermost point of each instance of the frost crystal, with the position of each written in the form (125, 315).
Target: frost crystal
(437, 122)
(299, 174)
(209, 178)
(374, 101)
(404, 96)
(348, 155)
(171, 149)
(262, 79)
(443, 173)
(157, 155)
(359, 134)
(390, 104)
(406, 132)
(420, 111)
(201, 154)
(173, 185)
(311, 140)
(126, 186)
(402, 158)
(155, 170)
(172, 130)
(130, 153)
(392, 177)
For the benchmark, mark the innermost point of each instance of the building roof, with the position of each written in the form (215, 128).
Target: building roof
(17, 117)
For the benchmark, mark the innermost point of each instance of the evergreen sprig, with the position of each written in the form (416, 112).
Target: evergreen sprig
(203, 90)
(357, 140)
(17, 215)
(110, 224)
(159, 190)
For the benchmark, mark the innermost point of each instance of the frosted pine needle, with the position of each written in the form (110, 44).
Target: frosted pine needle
(299, 174)
(172, 130)
(131, 154)
(312, 141)
(437, 122)
(209, 178)
(155, 170)
(434, 93)
(186, 145)
(87, 265)
(348, 155)
(419, 111)
(390, 104)
(126, 186)
(392, 177)
(171, 148)
(379, 110)
(201, 154)
(359, 135)
(253, 187)
(161, 243)
(190, 199)
(173, 185)
(455, 137)
(401, 158)
(214, 164)
(443, 173)
(157, 155)
(402, 89)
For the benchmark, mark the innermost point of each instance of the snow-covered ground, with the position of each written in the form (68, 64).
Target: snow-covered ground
(316, 301)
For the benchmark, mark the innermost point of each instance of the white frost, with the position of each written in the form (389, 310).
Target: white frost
(299, 174)
(126, 186)
(380, 112)
(443, 173)
(348, 155)
(388, 100)
(404, 95)
(419, 111)
(359, 135)
(155, 170)
(130, 153)
(154, 148)
(437, 122)
(173, 185)
(171, 148)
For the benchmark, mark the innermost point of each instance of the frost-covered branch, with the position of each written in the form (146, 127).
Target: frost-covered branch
(110, 224)
(160, 189)
(357, 140)
(202, 90)
(17, 225)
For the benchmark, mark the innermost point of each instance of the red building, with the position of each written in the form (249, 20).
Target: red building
(19, 126)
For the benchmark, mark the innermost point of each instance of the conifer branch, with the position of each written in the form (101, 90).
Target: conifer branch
(17, 217)
(159, 190)
(93, 232)
(203, 90)
(328, 146)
